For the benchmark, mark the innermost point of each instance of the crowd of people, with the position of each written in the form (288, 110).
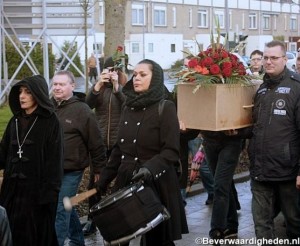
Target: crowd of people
(121, 131)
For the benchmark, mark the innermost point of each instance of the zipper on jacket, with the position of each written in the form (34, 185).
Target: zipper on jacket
(270, 118)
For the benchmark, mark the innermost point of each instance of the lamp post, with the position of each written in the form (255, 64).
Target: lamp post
(144, 19)
(85, 5)
(227, 24)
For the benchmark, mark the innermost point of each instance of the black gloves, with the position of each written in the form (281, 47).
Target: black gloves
(100, 188)
(143, 174)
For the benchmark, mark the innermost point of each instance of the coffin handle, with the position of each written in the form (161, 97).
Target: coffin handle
(248, 106)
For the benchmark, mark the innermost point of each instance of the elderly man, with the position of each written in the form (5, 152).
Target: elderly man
(83, 146)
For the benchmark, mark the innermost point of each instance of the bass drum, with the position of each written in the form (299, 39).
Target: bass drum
(128, 213)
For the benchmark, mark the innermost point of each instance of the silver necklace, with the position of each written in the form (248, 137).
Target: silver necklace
(20, 151)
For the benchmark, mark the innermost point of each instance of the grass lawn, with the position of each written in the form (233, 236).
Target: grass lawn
(5, 115)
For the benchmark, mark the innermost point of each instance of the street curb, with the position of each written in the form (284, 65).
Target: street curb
(238, 178)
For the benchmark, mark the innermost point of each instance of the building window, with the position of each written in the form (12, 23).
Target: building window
(135, 48)
(174, 17)
(137, 14)
(101, 13)
(266, 22)
(173, 50)
(97, 48)
(252, 21)
(190, 18)
(150, 48)
(293, 23)
(202, 18)
(160, 16)
(219, 15)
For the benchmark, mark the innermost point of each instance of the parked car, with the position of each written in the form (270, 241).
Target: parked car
(295, 53)
(247, 60)
(291, 62)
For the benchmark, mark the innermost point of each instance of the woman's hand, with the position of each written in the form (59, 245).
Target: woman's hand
(114, 77)
(143, 174)
(104, 78)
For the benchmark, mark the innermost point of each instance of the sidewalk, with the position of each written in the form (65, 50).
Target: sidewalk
(198, 216)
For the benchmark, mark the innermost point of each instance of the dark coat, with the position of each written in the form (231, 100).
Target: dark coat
(82, 136)
(274, 149)
(31, 183)
(108, 107)
(148, 140)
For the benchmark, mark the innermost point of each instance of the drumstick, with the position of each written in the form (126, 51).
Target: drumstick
(74, 200)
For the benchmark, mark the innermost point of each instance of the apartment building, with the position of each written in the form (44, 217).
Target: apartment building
(155, 29)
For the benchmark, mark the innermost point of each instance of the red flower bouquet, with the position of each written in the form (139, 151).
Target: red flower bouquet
(215, 65)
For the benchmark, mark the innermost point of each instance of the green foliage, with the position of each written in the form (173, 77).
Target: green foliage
(13, 59)
(5, 115)
(280, 38)
(72, 50)
(177, 64)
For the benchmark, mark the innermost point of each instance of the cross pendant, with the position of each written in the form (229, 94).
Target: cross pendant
(20, 152)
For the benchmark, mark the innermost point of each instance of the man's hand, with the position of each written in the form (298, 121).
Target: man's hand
(96, 177)
(298, 182)
(182, 126)
(231, 132)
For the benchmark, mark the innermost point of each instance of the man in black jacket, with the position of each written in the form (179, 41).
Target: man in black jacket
(83, 144)
(274, 149)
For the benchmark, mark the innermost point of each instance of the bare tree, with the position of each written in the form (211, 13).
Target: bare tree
(115, 18)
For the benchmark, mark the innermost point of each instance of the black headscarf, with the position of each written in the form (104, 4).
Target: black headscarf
(39, 90)
(154, 94)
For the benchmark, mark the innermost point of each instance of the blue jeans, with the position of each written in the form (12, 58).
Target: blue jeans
(67, 223)
(5, 233)
(222, 156)
(264, 196)
(205, 173)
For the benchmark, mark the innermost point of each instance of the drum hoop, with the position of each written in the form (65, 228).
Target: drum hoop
(118, 195)
(164, 215)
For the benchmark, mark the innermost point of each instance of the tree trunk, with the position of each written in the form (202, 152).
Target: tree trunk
(115, 11)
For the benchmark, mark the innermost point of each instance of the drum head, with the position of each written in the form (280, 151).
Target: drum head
(116, 196)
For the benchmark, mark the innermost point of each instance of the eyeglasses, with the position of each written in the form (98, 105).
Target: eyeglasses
(272, 58)
(256, 59)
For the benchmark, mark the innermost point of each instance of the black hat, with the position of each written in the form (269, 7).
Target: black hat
(108, 62)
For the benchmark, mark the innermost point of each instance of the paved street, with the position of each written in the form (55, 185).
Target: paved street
(198, 216)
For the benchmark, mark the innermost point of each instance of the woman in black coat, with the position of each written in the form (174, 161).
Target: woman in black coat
(31, 154)
(148, 145)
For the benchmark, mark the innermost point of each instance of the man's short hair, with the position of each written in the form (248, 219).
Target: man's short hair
(256, 52)
(68, 73)
(275, 43)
